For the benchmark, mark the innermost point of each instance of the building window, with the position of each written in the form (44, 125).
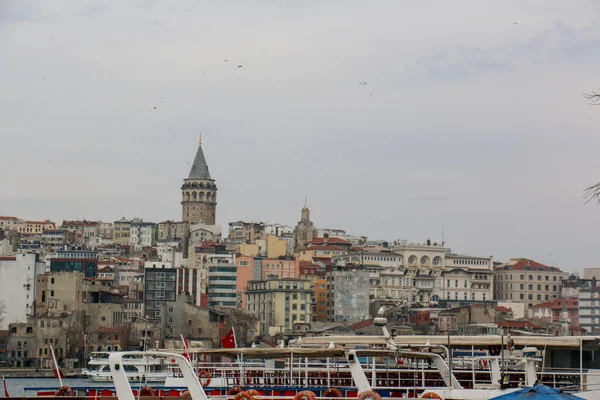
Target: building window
(530, 296)
(522, 297)
(530, 277)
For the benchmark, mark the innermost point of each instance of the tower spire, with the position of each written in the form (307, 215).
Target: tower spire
(200, 139)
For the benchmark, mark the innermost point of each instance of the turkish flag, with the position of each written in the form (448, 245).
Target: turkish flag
(228, 340)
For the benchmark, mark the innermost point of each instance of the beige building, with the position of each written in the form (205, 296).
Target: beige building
(171, 231)
(276, 247)
(279, 303)
(527, 281)
(122, 232)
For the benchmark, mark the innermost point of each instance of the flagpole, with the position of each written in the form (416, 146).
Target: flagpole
(56, 368)
(5, 388)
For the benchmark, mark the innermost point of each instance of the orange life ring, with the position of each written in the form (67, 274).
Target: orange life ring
(369, 394)
(431, 395)
(234, 390)
(147, 391)
(483, 362)
(247, 395)
(185, 393)
(65, 391)
(204, 378)
(332, 392)
(305, 395)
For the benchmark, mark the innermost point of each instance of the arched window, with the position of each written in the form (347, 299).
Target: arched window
(187, 196)
(412, 260)
(194, 196)
(437, 260)
(425, 260)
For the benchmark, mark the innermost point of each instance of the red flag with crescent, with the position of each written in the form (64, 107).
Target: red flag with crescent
(228, 340)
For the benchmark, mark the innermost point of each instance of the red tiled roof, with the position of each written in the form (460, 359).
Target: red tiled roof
(331, 248)
(523, 263)
(503, 309)
(3, 333)
(361, 324)
(7, 258)
(330, 240)
(558, 304)
(518, 324)
(9, 218)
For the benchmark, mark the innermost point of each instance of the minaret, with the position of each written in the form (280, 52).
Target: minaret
(199, 192)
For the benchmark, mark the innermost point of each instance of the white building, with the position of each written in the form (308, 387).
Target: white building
(17, 286)
(424, 273)
(279, 230)
(143, 234)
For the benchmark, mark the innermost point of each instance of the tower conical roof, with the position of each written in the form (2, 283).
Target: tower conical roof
(199, 167)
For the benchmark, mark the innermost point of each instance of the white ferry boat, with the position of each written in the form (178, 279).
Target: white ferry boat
(138, 367)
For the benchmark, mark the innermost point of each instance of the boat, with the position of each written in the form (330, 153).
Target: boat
(138, 367)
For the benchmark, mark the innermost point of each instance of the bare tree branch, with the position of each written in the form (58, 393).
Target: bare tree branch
(593, 98)
(592, 193)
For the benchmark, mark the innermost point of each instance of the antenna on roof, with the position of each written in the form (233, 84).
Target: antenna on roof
(305, 200)
(442, 235)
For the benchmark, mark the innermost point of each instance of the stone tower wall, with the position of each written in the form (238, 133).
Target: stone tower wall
(194, 212)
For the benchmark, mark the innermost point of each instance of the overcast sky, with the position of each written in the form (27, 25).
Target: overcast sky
(471, 118)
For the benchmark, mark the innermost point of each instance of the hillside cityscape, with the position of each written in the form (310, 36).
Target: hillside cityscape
(83, 286)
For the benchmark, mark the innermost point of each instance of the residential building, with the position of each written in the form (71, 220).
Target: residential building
(347, 293)
(341, 234)
(199, 193)
(316, 252)
(142, 234)
(9, 223)
(305, 231)
(34, 227)
(527, 281)
(283, 267)
(242, 232)
(246, 273)
(105, 230)
(122, 232)
(83, 230)
(589, 305)
(222, 280)
(171, 231)
(18, 275)
(561, 310)
(276, 247)
(21, 344)
(189, 282)
(423, 273)
(75, 260)
(279, 304)
(106, 274)
(316, 275)
(160, 289)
